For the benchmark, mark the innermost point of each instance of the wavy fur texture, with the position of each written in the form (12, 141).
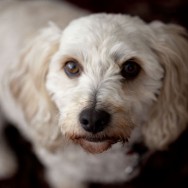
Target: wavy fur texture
(45, 103)
(169, 116)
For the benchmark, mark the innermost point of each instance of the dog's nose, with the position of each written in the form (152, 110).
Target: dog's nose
(94, 121)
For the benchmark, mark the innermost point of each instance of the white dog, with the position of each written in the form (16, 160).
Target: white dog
(92, 82)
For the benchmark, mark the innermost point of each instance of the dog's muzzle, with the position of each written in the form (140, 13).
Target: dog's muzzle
(94, 122)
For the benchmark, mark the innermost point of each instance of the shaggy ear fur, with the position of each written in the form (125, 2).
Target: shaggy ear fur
(169, 116)
(28, 85)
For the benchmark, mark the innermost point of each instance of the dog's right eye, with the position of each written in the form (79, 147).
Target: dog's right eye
(72, 68)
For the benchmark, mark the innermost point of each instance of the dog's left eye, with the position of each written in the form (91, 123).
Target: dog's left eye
(130, 69)
(72, 68)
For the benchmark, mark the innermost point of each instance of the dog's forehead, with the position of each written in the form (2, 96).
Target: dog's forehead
(105, 36)
(98, 28)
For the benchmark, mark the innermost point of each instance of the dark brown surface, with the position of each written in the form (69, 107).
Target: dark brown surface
(168, 11)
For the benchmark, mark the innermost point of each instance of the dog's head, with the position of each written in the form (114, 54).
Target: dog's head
(103, 76)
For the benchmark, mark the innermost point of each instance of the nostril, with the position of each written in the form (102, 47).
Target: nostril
(84, 121)
(85, 117)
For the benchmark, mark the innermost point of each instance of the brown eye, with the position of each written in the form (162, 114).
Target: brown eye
(72, 69)
(130, 69)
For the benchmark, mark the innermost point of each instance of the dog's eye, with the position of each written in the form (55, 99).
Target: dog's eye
(72, 68)
(130, 69)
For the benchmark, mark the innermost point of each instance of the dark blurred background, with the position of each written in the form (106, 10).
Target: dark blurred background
(162, 169)
(168, 11)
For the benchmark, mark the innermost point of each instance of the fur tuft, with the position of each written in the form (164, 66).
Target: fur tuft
(28, 84)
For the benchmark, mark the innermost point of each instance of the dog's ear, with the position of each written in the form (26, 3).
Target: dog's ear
(169, 116)
(27, 84)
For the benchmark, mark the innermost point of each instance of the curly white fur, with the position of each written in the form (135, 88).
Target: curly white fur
(45, 103)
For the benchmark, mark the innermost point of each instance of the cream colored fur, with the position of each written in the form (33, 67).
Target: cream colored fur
(169, 116)
(37, 95)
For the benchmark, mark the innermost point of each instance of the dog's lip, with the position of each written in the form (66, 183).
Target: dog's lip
(95, 147)
(95, 144)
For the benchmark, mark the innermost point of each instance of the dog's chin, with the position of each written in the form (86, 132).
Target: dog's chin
(95, 146)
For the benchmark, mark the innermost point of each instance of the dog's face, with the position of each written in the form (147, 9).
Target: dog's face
(104, 79)
(101, 77)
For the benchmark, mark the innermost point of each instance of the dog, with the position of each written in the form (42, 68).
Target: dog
(91, 82)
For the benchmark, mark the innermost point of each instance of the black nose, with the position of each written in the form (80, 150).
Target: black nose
(94, 121)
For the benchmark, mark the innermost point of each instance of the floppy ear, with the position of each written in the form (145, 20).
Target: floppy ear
(27, 85)
(169, 116)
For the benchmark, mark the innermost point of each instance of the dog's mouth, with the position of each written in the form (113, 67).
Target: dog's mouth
(96, 144)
